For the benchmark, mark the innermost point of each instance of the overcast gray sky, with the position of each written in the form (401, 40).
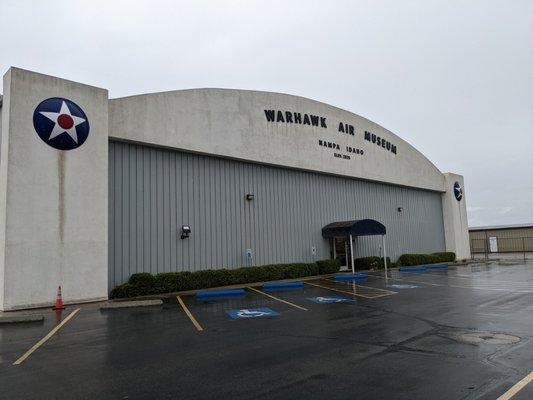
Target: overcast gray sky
(453, 78)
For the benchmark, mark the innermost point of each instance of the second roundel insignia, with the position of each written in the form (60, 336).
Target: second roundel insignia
(458, 191)
(61, 123)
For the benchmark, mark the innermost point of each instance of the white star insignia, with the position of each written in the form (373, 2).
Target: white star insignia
(65, 122)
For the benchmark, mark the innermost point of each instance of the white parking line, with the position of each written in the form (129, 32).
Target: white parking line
(527, 285)
(44, 339)
(517, 387)
(278, 299)
(189, 314)
(490, 288)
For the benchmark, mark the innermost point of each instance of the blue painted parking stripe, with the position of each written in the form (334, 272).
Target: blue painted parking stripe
(350, 277)
(419, 268)
(281, 285)
(423, 267)
(216, 293)
(437, 266)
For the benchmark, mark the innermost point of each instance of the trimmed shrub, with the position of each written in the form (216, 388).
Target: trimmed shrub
(370, 263)
(142, 279)
(413, 259)
(445, 256)
(209, 278)
(330, 266)
(420, 259)
(179, 280)
(142, 284)
(125, 290)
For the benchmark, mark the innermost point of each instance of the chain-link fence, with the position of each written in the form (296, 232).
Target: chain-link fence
(498, 245)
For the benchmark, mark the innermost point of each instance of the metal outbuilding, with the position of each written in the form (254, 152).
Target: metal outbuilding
(517, 238)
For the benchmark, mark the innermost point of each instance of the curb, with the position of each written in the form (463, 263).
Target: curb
(420, 268)
(15, 319)
(436, 266)
(202, 294)
(282, 285)
(130, 304)
(350, 277)
(228, 287)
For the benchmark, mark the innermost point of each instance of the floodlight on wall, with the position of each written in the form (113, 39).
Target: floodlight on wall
(185, 231)
(249, 197)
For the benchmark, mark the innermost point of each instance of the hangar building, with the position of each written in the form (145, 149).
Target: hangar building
(94, 189)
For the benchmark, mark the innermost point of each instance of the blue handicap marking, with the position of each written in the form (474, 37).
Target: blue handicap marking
(251, 313)
(402, 286)
(331, 299)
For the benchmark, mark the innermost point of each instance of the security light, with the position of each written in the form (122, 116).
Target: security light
(185, 231)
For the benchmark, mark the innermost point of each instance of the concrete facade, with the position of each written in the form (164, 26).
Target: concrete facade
(2, 200)
(455, 218)
(54, 203)
(232, 124)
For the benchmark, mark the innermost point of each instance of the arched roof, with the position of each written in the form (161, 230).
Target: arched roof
(274, 129)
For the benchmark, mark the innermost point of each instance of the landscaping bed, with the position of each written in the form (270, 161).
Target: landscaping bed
(143, 284)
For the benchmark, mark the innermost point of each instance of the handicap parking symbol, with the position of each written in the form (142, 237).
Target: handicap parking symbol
(252, 313)
(330, 299)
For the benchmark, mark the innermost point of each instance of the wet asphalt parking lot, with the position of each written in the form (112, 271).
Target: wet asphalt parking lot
(464, 333)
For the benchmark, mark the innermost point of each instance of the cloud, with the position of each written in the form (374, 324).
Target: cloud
(456, 85)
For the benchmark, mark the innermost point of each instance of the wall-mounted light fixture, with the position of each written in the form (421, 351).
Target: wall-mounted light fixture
(249, 197)
(400, 209)
(185, 231)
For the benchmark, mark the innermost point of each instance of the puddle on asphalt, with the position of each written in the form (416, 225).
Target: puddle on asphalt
(482, 338)
(402, 286)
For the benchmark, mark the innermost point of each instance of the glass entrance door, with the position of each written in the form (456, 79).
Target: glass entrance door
(342, 251)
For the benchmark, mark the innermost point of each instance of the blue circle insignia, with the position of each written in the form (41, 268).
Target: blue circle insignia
(61, 123)
(458, 191)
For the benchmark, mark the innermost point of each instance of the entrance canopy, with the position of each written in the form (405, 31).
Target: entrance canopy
(349, 229)
(361, 227)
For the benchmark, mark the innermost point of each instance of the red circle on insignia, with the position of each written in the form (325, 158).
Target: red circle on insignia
(65, 121)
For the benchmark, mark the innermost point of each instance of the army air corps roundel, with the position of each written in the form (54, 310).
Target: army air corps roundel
(61, 123)
(458, 191)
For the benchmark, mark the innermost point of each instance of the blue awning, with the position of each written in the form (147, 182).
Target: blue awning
(361, 227)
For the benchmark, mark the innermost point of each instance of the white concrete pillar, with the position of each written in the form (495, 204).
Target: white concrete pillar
(455, 218)
(53, 203)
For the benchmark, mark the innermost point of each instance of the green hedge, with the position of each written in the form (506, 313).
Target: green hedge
(370, 263)
(419, 259)
(328, 266)
(445, 256)
(142, 284)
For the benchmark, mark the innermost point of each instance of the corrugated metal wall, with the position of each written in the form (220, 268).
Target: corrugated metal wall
(504, 233)
(153, 192)
(508, 240)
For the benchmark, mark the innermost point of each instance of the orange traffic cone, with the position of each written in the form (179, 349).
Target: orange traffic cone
(59, 300)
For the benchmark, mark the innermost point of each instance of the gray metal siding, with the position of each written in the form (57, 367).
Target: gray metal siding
(153, 192)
